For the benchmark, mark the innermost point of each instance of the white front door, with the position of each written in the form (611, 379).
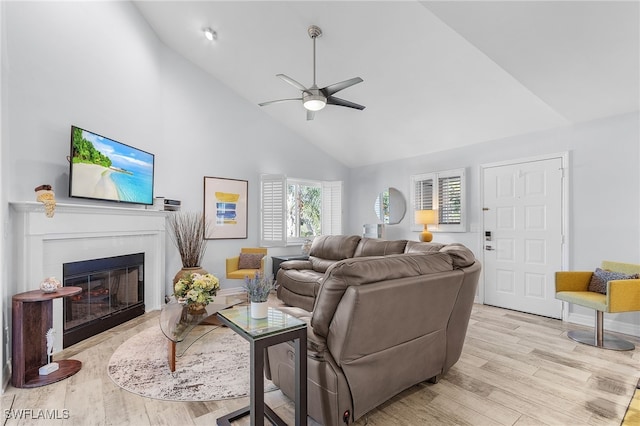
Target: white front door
(523, 235)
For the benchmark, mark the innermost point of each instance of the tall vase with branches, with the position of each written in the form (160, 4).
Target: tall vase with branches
(187, 233)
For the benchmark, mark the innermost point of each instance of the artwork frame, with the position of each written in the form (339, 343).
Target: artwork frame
(225, 208)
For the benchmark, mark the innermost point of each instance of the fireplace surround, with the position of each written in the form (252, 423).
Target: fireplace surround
(79, 232)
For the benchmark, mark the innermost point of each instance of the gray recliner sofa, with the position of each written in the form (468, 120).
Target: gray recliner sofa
(379, 326)
(299, 280)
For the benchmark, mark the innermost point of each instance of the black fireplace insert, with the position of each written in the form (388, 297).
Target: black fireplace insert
(112, 293)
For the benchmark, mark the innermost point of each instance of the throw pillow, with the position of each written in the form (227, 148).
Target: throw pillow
(250, 260)
(600, 278)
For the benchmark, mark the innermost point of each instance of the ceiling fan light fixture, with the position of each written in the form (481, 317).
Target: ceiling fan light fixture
(209, 34)
(314, 102)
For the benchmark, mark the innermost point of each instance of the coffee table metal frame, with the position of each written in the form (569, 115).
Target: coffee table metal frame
(261, 334)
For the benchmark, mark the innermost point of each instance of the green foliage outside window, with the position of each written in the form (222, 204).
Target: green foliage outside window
(304, 206)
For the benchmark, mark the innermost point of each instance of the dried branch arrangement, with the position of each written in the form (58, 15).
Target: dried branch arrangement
(187, 233)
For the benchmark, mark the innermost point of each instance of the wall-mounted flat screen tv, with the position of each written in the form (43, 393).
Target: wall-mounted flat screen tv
(104, 169)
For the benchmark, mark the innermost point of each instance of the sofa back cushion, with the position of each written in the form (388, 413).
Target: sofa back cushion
(460, 254)
(418, 247)
(327, 249)
(367, 270)
(376, 247)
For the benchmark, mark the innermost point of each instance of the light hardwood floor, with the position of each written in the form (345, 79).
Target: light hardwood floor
(515, 369)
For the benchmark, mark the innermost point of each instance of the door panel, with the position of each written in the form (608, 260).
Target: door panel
(523, 213)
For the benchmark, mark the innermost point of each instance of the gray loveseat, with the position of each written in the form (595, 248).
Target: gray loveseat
(379, 326)
(299, 280)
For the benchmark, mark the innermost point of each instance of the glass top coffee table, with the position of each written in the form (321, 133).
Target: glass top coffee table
(176, 322)
(277, 327)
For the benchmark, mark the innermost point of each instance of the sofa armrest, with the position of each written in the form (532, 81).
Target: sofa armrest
(296, 264)
(573, 280)
(315, 342)
(623, 295)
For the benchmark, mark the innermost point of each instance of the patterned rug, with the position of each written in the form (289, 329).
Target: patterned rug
(213, 367)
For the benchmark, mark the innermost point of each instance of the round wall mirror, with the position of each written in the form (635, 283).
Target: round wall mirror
(390, 206)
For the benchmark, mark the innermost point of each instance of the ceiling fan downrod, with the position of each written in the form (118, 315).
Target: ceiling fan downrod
(314, 32)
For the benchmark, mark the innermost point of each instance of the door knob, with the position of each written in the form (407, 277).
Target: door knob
(488, 248)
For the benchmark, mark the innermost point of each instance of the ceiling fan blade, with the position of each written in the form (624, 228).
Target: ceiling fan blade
(332, 100)
(310, 115)
(278, 101)
(292, 82)
(335, 88)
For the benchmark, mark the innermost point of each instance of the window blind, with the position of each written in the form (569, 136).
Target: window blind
(424, 194)
(332, 208)
(273, 210)
(449, 200)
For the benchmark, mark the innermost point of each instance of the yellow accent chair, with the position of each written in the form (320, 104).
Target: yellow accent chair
(622, 296)
(237, 266)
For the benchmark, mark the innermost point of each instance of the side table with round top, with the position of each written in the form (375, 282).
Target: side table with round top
(32, 317)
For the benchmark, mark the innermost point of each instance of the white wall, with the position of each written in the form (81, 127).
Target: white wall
(604, 197)
(604, 193)
(98, 65)
(5, 296)
(208, 131)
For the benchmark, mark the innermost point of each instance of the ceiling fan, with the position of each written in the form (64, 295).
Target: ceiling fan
(314, 98)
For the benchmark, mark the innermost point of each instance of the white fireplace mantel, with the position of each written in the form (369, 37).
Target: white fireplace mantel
(81, 232)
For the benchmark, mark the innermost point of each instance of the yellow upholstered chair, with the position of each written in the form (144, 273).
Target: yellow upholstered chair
(622, 296)
(250, 260)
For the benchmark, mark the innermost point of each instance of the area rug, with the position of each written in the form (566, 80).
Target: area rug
(214, 367)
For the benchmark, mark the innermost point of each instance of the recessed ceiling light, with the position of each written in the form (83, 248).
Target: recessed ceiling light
(210, 34)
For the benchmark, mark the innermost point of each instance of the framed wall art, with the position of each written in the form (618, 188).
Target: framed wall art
(225, 208)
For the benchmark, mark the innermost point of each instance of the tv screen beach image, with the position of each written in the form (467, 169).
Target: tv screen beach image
(109, 170)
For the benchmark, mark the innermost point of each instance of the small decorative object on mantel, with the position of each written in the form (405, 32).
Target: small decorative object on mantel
(50, 285)
(50, 367)
(45, 194)
(258, 289)
(187, 233)
(196, 291)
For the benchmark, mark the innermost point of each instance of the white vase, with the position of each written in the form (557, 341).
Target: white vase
(259, 310)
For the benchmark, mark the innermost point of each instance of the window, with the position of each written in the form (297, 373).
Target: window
(293, 210)
(443, 192)
(304, 206)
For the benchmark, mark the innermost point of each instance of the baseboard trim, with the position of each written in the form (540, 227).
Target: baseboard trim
(6, 375)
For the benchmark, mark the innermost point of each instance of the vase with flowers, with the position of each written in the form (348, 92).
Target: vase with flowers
(187, 233)
(258, 288)
(196, 290)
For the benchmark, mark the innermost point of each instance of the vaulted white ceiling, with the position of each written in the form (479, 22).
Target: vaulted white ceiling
(437, 74)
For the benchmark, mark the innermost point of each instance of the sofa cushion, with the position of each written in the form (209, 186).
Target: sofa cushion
(367, 270)
(304, 282)
(376, 247)
(321, 265)
(334, 247)
(600, 278)
(296, 264)
(418, 247)
(461, 255)
(250, 260)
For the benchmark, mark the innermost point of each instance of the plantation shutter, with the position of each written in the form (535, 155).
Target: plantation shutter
(443, 192)
(449, 200)
(424, 194)
(332, 208)
(273, 203)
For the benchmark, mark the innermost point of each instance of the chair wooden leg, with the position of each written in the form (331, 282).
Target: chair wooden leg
(598, 339)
